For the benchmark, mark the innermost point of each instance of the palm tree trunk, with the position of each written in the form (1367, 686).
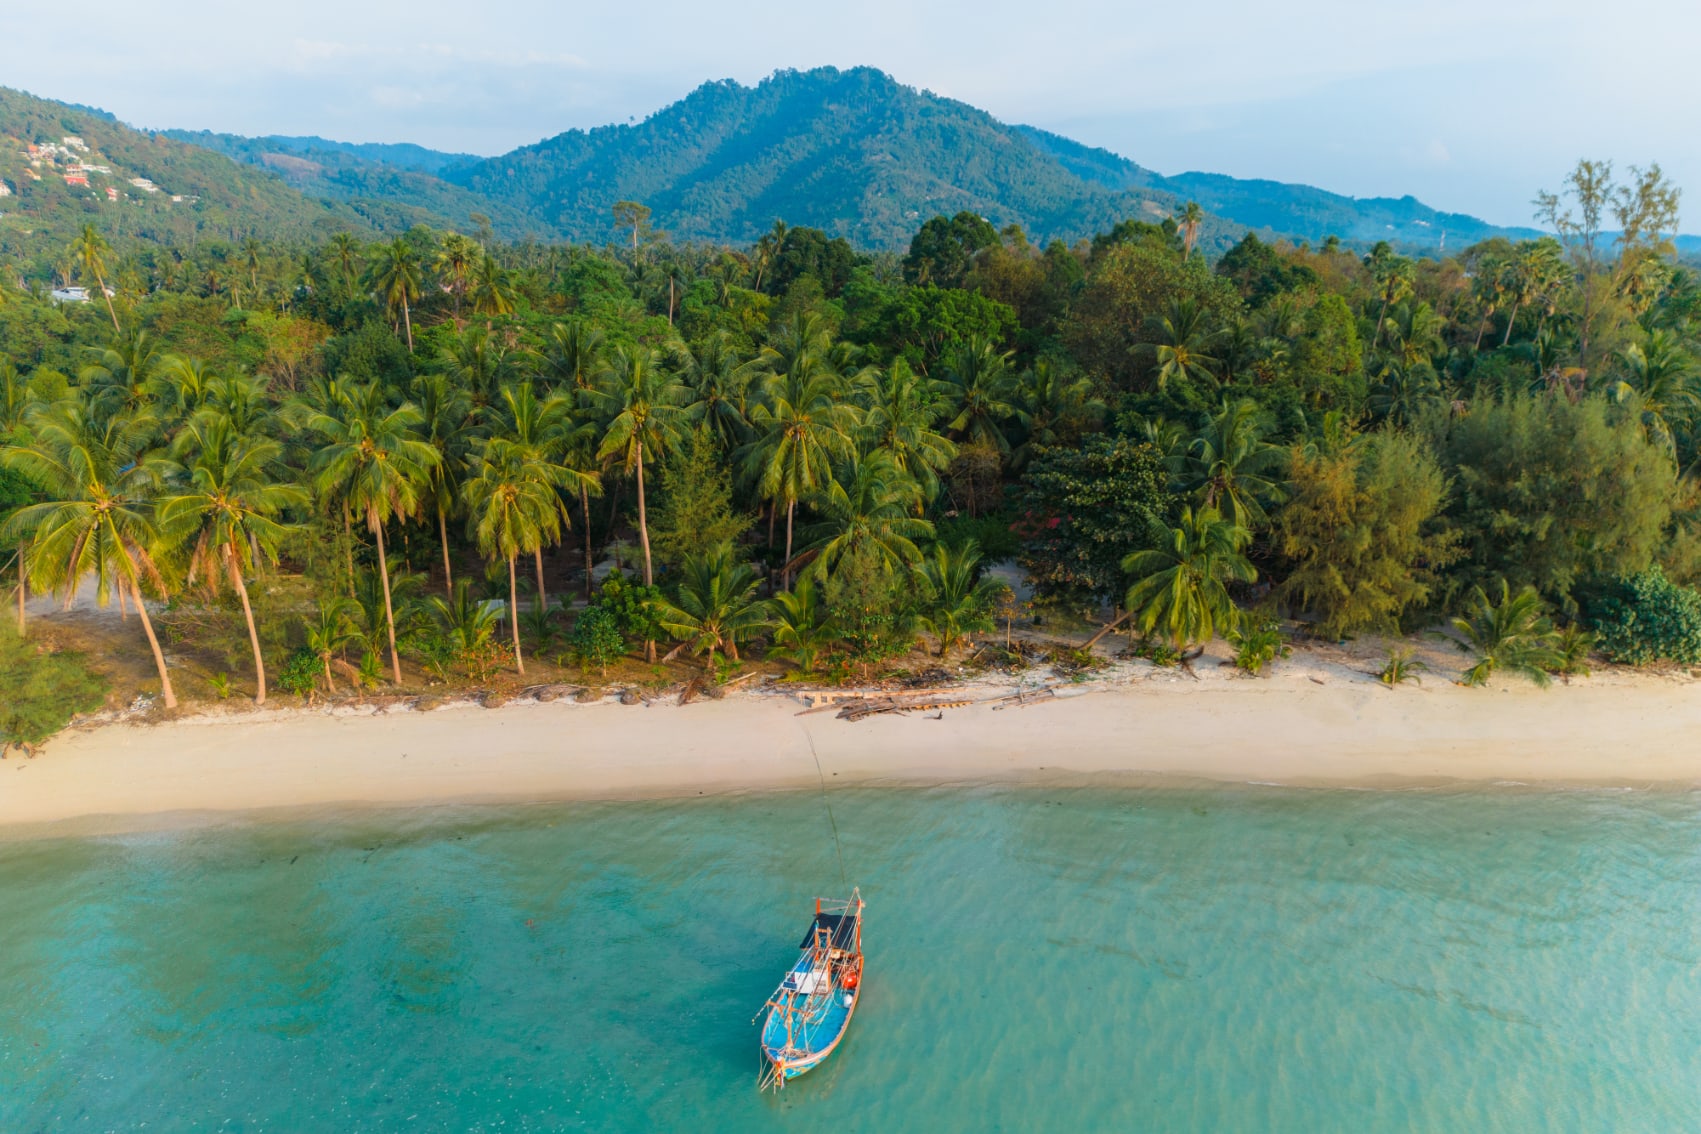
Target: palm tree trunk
(785, 567)
(542, 598)
(348, 547)
(1107, 628)
(514, 615)
(407, 321)
(1510, 320)
(644, 539)
(102, 282)
(643, 523)
(165, 689)
(448, 571)
(23, 590)
(1481, 327)
(590, 563)
(389, 608)
(330, 685)
(248, 613)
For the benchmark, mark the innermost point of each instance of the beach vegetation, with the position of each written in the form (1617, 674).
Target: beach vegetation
(1257, 642)
(1179, 587)
(41, 689)
(1510, 633)
(596, 639)
(1645, 618)
(1402, 666)
(713, 607)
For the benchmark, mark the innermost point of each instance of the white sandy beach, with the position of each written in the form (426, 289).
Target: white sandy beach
(1296, 728)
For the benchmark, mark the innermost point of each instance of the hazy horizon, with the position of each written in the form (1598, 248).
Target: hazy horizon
(1472, 108)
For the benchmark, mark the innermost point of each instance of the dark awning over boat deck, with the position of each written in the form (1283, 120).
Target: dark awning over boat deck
(841, 926)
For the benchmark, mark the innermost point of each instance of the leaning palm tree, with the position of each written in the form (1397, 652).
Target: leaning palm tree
(1513, 635)
(713, 607)
(645, 405)
(89, 252)
(1180, 586)
(396, 279)
(373, 458)
(1228, 466)
(228, 511)
(871, 510)
(960, 600)
(514, 508)
(97, 519)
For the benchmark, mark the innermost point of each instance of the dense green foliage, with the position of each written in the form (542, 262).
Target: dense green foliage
(41, 690)
(374, 456)
(1645, 618)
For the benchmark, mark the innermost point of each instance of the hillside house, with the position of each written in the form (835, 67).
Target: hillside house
(112, 192)
(76, 177)
(5, 189)
(72, 142)
(144, 185)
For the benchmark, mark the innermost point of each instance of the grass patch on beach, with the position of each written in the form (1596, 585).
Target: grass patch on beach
(41, 689)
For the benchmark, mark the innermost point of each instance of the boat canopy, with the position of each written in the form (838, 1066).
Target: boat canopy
(841, 926)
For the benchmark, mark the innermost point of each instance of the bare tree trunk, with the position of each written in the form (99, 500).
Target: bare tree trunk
(514, 615)
(542, 598)
(785, 568)
(1107, 628)
(448, 571)
(644, 539)
(590, 560)
(348, 548)
(108, 299)
(153, 643)
(389, 608)
(248, 613)
(1481, 327)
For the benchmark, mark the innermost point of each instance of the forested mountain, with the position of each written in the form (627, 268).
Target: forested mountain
(1274, 207)
(65, 166)
(363, 172)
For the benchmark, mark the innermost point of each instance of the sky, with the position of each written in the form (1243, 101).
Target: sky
(1470, 105)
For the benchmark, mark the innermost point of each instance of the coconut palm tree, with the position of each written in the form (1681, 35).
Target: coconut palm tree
(713, 607)
(455, 263)
(477, 362)
(514, 507)
(645, 407)
(546, 430)
(1189, 221)
(128, 372)
(1513, 634)
(329, 630)
(345, 250)
(1059, 408)
(395, 276)
(801, 423)
(981, 390)
(572, 357)
(1184, 344)
(227, 512)
(960, 600)
(493, 290)
(871, 510)
(98, 518)
(90, 252)
(445, 414)
(1229, 464)
(373, 458)
(719, 385)
(1180, 586)
(902, 409)
(802, 626)
(467, 622)
(1662, 379)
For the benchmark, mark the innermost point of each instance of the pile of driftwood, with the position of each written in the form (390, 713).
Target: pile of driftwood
(859, 705)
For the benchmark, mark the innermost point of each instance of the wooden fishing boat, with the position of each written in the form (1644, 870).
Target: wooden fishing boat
(810, 1011)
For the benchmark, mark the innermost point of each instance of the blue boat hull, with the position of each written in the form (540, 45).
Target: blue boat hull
(812, 1042)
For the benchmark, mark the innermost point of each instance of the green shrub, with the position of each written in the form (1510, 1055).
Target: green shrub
(300, 673)
(40, 691)
(1644, 618)
(596, 638)
(1258, 644)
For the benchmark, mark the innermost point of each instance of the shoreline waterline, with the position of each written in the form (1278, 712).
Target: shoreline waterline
(1269, 733)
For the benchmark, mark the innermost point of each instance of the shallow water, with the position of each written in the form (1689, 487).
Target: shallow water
(1230, 959)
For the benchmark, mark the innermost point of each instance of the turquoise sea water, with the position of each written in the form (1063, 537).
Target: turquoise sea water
(1154, 960)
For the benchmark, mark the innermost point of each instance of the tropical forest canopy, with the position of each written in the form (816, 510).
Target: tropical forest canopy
(796, 446)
